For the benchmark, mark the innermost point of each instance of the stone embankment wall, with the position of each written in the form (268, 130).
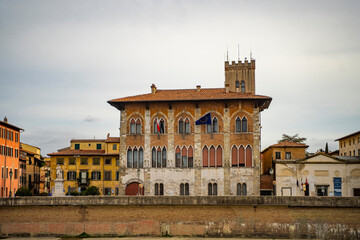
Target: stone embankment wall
(274, 217)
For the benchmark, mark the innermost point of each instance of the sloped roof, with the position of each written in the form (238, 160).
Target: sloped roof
(78, 152)
(203, 94)
(10, 126)
(87, 140)
(286, 144)
(112, 140)
(349, 135)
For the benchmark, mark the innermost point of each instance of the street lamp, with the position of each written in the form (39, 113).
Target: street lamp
(11, 173)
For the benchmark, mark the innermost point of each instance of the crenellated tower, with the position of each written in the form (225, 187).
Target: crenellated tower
(240, 76)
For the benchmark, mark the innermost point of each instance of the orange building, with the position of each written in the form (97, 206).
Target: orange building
(9, 158)
(163, 151)
(284, 150)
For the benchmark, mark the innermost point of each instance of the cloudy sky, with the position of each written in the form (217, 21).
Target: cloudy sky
(60, 61)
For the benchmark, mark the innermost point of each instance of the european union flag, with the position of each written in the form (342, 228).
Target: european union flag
(206, 119)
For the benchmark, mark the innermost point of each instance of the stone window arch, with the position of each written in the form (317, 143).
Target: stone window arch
(243, 86)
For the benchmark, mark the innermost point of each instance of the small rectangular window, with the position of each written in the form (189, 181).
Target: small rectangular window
(117, 175)
(96, 161)
(96, 176)
(59, 161)
(72, 161)
(277, 155)
(83, 161)
(350, 142)
(107, 175)
(288, 155)
(107, 161)
(16, 174)
(114, 146)
(117, 162)
(71, 176)
(98, 146)
(77, 146)
(16, 137)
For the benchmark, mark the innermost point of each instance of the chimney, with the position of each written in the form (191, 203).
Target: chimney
(237, 89)
(227, 86)
(153, 89)
(5, 119)
(108, 135)
(198, 88)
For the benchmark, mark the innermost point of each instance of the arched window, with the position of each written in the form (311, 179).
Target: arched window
(248, 156)
(159, 126)
(237, 84)
(153, 157)
(205, 157)
(159, 189)
(177, 157)
(215, 125)
(212, 156)
(190, 157)
(184, 189)
(162, 126)
(238, 189)
(242, 86)
(187, 125)
(141, 158)
(209, 189)
(135, 157)
(244, 190)
(129, 158)
(156, 189)
(241, 156)
(181, 125)
(164, 157)
(184, 157)
(238, 125)
(219, 156)
(158, 157)
(212, 189)
(132, 127)
(244, 124)
(138, 126)
(234, 157)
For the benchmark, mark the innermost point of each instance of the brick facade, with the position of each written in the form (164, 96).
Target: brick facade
(236, 102)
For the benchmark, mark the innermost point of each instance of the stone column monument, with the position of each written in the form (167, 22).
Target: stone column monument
(59, 183)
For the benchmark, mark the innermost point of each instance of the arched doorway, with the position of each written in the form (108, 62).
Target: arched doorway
(134, 189)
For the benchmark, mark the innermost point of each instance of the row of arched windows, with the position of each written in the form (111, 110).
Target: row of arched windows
(241, 125)
(241, 189)
(158, 157)
(135, 157)
(184, 157)
(212, 157)
(241, 157)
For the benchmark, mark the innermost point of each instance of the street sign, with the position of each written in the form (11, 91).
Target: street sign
(337, 186)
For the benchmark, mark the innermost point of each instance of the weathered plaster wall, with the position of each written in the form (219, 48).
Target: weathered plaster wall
(277, 217)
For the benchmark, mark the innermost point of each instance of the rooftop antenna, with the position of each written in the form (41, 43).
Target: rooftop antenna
(227, 53)
(250, 54)
(238, 53)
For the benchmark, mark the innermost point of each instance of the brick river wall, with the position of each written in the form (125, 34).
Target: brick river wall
(273, 217)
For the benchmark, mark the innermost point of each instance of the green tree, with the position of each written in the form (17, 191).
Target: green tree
(294, 138)
(326, 148)
(23, 191)
(92, 191)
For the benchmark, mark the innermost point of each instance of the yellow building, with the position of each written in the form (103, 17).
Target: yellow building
(349, 145)
(88, 162)
(32, 156)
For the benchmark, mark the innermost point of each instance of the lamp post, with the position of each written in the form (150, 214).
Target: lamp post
(11, 173)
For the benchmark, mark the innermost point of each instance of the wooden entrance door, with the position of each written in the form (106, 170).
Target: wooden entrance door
(134, 189)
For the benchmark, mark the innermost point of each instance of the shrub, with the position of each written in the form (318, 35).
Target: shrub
(74, 193)
(23, 191)
(44, 194)
(92, 191)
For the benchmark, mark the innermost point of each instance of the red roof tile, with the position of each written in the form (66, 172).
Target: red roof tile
(289, 144)
(78, 152)
(87, 140)
(189, 95)
(112, 140)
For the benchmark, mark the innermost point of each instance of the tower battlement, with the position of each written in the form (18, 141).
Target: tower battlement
(240, 76)
(240, 63)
